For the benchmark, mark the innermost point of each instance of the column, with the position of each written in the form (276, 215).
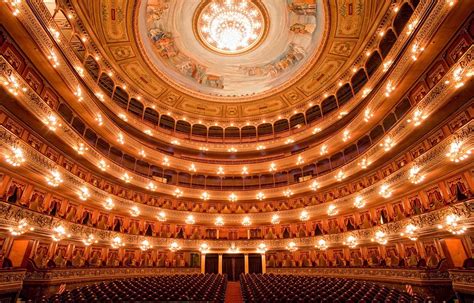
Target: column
(219, 264)
(246, 263)
(264, 264)
(203, 263)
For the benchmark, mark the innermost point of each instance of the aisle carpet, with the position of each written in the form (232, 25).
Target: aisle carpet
(232, 294)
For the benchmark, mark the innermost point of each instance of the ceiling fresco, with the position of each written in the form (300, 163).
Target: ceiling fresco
(307, 47)
(168, 33)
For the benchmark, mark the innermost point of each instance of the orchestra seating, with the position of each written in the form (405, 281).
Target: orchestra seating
(198, 287)
(290, 288)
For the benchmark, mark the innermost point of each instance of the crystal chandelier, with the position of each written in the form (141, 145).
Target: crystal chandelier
(410, 232)
(452, 225)
(190, 219)
(145, 245)
(230, 26)
(380, 237)
(109, 204)
(275, 219)
(21, 228)
(117, 242)
(246, 221)
(161, 216)
(59, 233)
(321, 244)
(204, 248)
(16, 157)
(174, 247)
(219, 221)
(262, 248)
(89, 240)
(292, 247)
(351, 241)
(233, 249)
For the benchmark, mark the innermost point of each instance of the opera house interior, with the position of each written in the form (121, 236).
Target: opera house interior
(236, 151)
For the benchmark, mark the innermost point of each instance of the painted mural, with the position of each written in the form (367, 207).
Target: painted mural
(287, 47)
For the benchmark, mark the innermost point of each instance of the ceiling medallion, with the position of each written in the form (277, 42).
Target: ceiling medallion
(230, 27)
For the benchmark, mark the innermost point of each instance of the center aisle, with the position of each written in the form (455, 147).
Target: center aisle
(232, 294)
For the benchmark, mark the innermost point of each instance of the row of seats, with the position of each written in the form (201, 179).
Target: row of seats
(289, 288)
(197, 287)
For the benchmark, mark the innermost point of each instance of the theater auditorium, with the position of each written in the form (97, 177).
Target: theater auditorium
(233, 151)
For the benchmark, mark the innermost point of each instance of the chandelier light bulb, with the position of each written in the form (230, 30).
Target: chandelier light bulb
(275, 219)
(219, 221)
(321, 244)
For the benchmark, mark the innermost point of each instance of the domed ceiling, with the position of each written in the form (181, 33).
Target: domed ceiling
(230, 47)
(225, 61)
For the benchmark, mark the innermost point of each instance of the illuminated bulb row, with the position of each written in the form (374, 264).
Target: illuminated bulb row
(288, 193)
